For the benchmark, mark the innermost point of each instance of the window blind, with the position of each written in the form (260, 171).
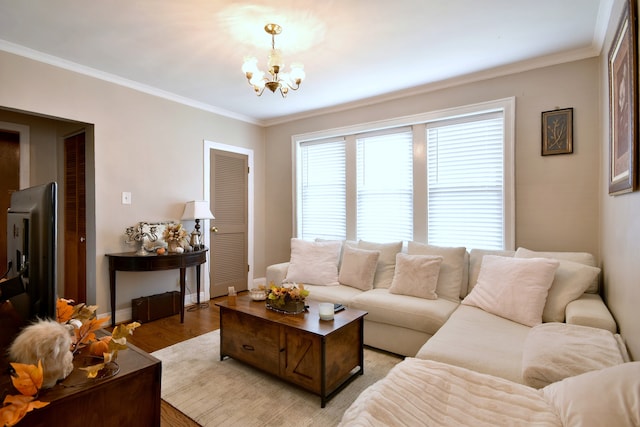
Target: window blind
(465, 185)
(323, 190)
(385, 187)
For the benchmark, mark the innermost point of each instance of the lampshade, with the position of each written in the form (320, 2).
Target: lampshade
(197, 209)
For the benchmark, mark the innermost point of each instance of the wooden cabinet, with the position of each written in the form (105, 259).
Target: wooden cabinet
(129, 398)
(321, 357)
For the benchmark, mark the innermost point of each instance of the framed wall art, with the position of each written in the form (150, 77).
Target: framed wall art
(557, 132)
(623, 104)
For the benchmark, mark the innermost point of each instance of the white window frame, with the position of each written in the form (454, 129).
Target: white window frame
(506, 105)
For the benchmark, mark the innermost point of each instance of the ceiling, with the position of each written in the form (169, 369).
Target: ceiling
(353, 51)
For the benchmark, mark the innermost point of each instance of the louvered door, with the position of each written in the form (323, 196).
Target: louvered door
(75, 221)
(229, 188)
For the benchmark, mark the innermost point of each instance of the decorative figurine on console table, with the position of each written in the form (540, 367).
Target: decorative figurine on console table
(138, 233)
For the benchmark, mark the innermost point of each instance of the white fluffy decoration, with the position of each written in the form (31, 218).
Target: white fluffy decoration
(49, 341)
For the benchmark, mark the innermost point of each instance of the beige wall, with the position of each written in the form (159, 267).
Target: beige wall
(556, 196)
(561, 201)
(149, 146)
(620, 228)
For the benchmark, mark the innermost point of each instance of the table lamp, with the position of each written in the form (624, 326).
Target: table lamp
(197, 210)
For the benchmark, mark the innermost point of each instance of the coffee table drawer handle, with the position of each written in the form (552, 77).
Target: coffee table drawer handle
(248, 347)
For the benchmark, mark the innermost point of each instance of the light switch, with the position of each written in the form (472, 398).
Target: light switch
(126, 198)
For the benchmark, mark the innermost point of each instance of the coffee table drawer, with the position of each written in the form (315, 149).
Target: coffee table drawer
(249, 340)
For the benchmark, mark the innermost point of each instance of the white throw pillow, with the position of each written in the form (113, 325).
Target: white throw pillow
(584, 258)
(315, 263)
(416, 275)
(452, 270)
(386, 261)
(358, 267)
(513, 288)
(571, 280)
(608, 397)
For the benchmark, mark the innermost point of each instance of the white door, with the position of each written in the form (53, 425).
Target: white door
(228, 188)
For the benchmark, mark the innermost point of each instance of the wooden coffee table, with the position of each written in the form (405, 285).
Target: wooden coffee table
(317, 355)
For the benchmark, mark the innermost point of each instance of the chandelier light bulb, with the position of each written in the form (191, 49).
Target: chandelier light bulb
(276, 79)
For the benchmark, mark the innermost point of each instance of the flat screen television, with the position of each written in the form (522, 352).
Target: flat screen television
(32, 250)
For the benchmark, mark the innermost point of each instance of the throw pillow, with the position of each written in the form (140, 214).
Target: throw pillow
(315, 263)
(416, 275)
(607, 397)
(452, 270)
(513, 288)
(578, 257)
(386, 262)
(571, 280)
(358, 267)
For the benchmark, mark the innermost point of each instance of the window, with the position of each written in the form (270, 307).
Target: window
(444, 177)
(385, 187)
(465, 182)
(322, 209)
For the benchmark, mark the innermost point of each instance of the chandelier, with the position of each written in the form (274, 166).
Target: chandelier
(275, 80)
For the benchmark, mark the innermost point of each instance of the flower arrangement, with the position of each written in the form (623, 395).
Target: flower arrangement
(174, 232)
(279, 296)
(176, 237)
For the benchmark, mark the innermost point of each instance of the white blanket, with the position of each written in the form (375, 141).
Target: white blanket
(429, 393)
(554, 351)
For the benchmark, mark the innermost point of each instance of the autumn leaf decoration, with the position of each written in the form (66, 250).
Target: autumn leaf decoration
(83, 318)
(27, 379)
(116, 342)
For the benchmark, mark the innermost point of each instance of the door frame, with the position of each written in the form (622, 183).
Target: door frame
(208, 146)
(25, 159)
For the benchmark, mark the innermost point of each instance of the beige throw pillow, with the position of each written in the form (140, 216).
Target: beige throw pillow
(315, 263)
(416, 275)
(386, 261)
(571, 280)
(607, 397)
(513, 288)
(358, 267)
(452, 270)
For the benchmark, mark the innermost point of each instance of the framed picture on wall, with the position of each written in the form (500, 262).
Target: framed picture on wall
(557, 132)
(623, 104)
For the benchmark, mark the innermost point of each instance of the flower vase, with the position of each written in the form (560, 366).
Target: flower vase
(172, 246)
(290, 307)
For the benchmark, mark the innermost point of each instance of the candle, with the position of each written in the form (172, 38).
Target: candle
(326, 310)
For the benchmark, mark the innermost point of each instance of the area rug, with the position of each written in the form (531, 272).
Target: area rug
(225, 393)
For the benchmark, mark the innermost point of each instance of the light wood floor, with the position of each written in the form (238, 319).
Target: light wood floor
(164, 332)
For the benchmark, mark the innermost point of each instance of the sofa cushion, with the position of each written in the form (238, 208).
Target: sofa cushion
(607, 397)
(480, 341)
(314, 263)
(405, 311)
(475, 262)
(340, 294)
(416, 275)
(386, 262)
(555, 351)
(579, 257)
(452, 269)
(514, 288)
(358, 267)
(571, 280)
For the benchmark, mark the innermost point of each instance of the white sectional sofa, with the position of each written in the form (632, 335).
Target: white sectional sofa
(446, 329)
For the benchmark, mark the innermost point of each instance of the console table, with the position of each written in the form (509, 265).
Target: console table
(130, 261)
